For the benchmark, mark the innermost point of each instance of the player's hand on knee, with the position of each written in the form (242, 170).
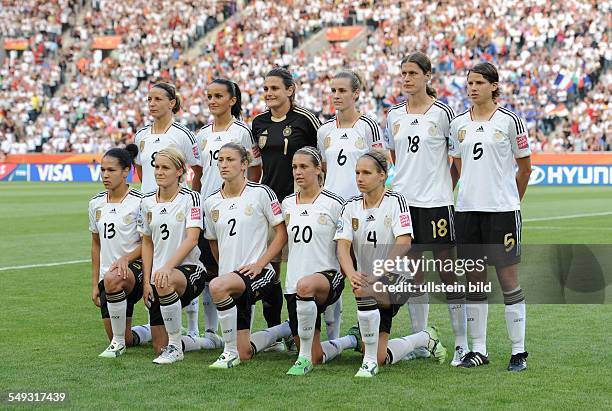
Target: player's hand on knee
(95, 296)
(147, 295)
(122, 267)
(357, 279)
(162, 277)
(250, 270)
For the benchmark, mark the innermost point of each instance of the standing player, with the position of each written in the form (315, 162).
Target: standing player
(280, 132)
(237, 220)
(371, 224)
(164, 132)
(418, 140)
(225, 104)
(342, 140)
(486, 141)
(313, 280)
(115, 251)
(170, 223)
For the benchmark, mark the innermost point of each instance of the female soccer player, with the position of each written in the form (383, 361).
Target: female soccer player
(376, 224)
(280, 132)
(313, 280)
(225, 104)
(237, 220)
(342, 140)
(170, 223)
(115, 250)
(418, 141)
(164, 102)
(486, 141)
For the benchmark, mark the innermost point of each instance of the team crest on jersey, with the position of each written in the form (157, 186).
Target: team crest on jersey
(322, 219)
(215, 215)
(98, 214)
(127, 219)
(142, 145)
(360, 143)
(387, 221)
(355, 224)
(287, 218)
(287, 131)
(204, 142)
(432, 130)
(461, 135)
(248, 210)
(180, 216)
(327, 142)
(498, 136)
(396, 128)
(149, 217)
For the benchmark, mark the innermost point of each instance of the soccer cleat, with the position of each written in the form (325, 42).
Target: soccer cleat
(437, 349)
(170, 354)
(368, 370)
(474, 359)
(355, 332)
(114, 350)
(278, 346)
(301, 367)
(518, 362)
(225, 361)
(458, 356)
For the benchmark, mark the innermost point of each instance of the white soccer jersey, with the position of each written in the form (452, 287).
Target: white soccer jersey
(311, 229)
(373, 231)
(115, 223)
(420, 142)
(487, 150)
(149, 144)
(240, 224)
(211, 141)
(167, 224)
(342, 147)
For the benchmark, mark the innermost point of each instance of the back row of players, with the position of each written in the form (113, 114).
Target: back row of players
(328, 223)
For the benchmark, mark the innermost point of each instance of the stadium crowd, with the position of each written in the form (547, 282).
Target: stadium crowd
(553, 58)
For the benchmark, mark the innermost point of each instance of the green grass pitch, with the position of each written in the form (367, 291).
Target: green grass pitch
(52, 333)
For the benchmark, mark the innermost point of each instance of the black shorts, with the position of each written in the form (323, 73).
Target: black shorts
(195, 285)
(494, 235)
(336, 286)
(392, 301)
(432, 227)
(132, 298)
(207, 259)
(257, 289)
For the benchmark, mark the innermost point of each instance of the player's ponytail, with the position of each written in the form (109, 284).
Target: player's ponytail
(424, 63)
(379, 158)
(355, 78)
(489, 72)
(125, 156)
(287, 78)
(315, 157)
(234, 91)
(176, 158)
(171, 93)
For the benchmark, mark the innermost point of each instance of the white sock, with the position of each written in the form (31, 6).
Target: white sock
(172, 321)
(400, 347)
(143, 333)
(211, 321)
(333, 348)
(418, 307)
(116, 311)
(477, 314)
(265, 338)
(229, 323)
(333, 319)
(192, 317)
(253, 315)
(190, 343)
(515, 322)
(306, 317)
(369, 323)
(458, 320)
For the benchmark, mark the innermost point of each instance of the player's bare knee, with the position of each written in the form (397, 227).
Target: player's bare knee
(305, 288)
(112, 282)
(168, 289)
(216, 288)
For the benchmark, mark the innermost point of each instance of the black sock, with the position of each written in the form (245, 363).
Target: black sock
(273, 305)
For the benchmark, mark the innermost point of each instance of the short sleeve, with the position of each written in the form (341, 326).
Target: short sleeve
(249, 143)
(138, 141)
(271, 207)
(373, 134)
(144, 219)
(210, 233)
(344, 229)
(191, 149)
(402, 222)
(93, 227)
(453, 141)
(321, 141)
(519, 139)
(194, 218)
(389, 142)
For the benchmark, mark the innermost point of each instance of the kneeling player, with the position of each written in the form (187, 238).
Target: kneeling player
(314, 281)
(170, 222)
(237, 219)
(371, 223)
(115, 250)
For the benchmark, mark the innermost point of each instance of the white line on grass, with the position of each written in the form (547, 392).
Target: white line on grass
(566, 217)
(21, 267)
(569, 228)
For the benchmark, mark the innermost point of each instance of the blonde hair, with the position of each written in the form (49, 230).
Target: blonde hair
(379, 158)
(315, 158)
(176, 158)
